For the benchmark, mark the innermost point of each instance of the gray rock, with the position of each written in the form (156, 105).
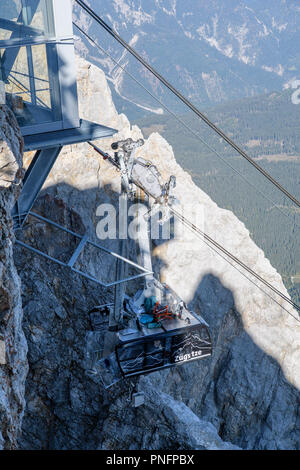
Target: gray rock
(161, 422)
(11, 148)
(13, 363)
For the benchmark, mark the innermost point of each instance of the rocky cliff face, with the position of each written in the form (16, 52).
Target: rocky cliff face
(13, 347)
(247, 393)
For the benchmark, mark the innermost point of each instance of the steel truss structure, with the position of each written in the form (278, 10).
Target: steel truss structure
(83, 241)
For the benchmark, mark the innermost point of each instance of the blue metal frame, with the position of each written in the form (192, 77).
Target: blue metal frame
(62, 13)
(60, 57)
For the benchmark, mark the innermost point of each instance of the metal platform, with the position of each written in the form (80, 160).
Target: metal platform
(48, 146)
(87, 131)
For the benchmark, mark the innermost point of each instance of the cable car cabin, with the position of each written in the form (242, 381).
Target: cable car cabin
(177, 341)
(143, 350)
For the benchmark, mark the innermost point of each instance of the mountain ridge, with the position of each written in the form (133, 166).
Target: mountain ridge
(211, 52)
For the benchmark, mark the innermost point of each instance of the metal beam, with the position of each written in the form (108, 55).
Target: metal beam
(121, 271)
(90, 242)
(78, 250)
(86, 131)
(84, 240)
(34, 179)
(81, 273)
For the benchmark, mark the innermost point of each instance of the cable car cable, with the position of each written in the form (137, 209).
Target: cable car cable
(248, 278)
(210, 241)
(183, 123)
(121, 41)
